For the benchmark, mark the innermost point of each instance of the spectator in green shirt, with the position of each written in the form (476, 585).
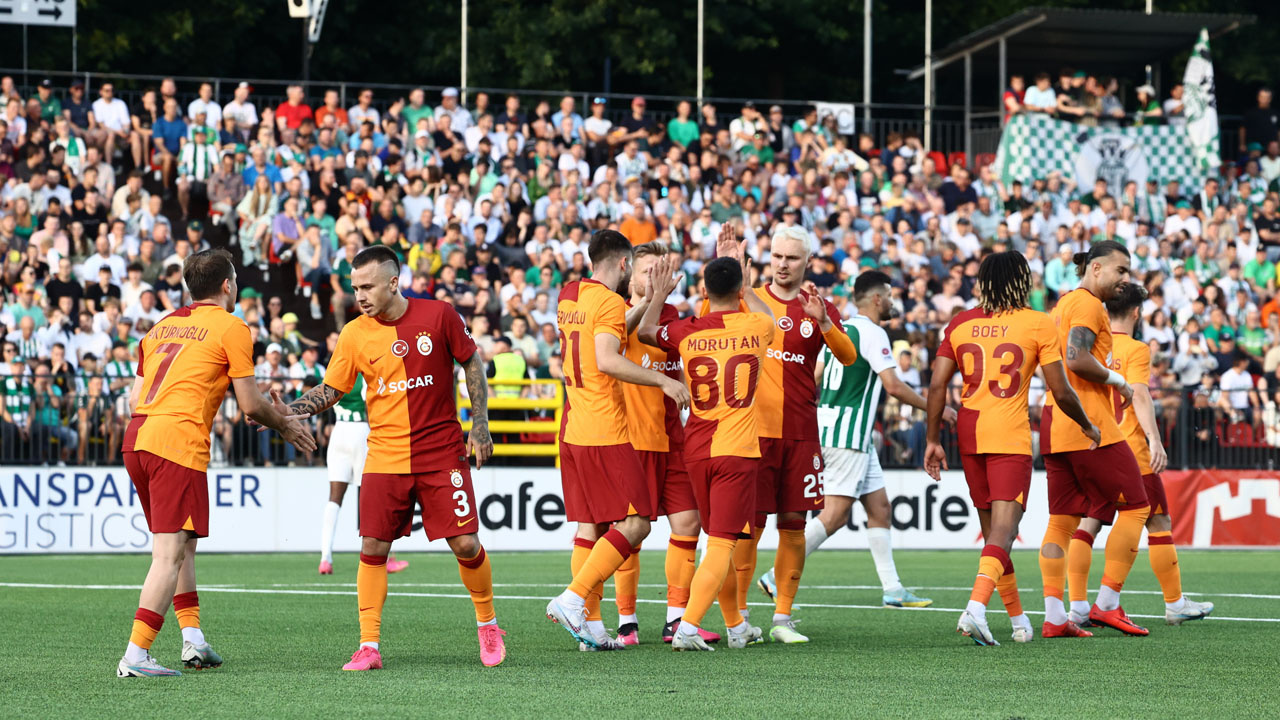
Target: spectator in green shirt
(1261, 272)
(757, 148)
(1253, 337)
(50, 105)
(416, 110)
(682, 129)
(1217, 330)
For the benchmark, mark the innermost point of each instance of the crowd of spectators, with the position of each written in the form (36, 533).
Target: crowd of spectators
(490, 204)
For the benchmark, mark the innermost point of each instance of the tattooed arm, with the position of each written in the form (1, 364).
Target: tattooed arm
(479, 442)
(1080, 360)
(317, 400)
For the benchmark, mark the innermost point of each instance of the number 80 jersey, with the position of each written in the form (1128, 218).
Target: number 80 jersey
(996, 356)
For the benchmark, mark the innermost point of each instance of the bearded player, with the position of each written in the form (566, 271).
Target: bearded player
(603, 481)
(722, 351)
(997, 347)
(185, 363)
(405, 350)
(1132, 359)
(847, 405)
(1099, 481)
(653, 424)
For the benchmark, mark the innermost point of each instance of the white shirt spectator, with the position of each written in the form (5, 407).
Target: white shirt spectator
(356, 115)
(114, 115)
(1237, 384)
(1175, 224)
(968, 244)
(246, 114)
(567, 163)
(211, 109)
(1035, 97)
(98, 343)
(96, 262)
(135, 313)
(129, 294)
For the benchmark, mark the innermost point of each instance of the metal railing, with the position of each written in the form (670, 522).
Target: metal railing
(514, 423)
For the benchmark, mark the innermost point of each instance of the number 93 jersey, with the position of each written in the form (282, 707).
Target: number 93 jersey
(996, 356)
(722, 354)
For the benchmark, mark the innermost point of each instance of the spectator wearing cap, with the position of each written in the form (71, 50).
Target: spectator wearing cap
(637, 125)
(272, 366)
(459, 117)
(1149, 111)
(745, 126)
(50, 105)
(291, 112)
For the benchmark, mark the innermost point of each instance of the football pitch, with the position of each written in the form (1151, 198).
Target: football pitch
(285, 632)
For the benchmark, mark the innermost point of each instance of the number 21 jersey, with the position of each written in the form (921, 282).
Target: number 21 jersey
(996, 356)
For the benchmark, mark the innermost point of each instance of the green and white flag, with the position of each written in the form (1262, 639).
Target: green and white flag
(1034, 145)
(1201, 106)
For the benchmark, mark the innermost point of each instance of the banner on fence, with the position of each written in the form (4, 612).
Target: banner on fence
(1034, 145)
(95, 510)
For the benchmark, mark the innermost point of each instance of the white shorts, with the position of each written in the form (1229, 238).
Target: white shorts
(851, 473)
(348, 447)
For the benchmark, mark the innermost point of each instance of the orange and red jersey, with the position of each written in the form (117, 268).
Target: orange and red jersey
(723, 354)
(1132, 359)
(185, 362)
(593, 408)
(1079, 308)
(788, 402)
(408, 372)
(653, 419)
(996, 356)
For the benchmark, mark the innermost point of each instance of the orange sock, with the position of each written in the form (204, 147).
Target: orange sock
(1008, 589)
(477, 576)
(1079, 558)
(625, 583)
(187, 607)
(371, 595)
(146, 625)
(606, 556)
(709, 578)
(744, 564)
(990, 567)
(582, 551)
(1053, 571)
(788, 565)
(728, 598)
(680, 568)
(1122, 545)
(1164, 563)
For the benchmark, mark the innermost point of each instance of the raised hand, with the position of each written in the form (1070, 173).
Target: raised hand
(662, 280)
(814, 306)
(727, 243)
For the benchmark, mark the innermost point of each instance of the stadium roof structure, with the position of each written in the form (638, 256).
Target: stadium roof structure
(1112, 41)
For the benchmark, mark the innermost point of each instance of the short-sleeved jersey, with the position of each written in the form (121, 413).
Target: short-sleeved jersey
(997, 355)
(653, 419)
(593, 412)
(723, 354)
(849, 395)
(408, 368)
(1079, 308)
(787, 405)
(1132, 359)
(185, 363)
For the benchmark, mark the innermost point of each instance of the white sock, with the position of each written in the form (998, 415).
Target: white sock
(674, 613)
(781, 619)
(572, 601)
(193, 635)
(1178, 605)
(596, 627)
(1080, 607)
(740, 628)
(1054, 611)
(624, 619)
(977, 610)
(493, 621)
(327, 529)
(1021, 621)
(882, 554)
(687, 628)
(1108, 599)
(815, 533)
(373, 645)
(134, 654)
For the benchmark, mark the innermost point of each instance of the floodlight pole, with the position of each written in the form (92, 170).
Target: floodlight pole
(700, 71)
(866, 64)
(463, 89)
(928, 75)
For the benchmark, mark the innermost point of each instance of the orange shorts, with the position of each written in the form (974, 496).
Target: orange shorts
(603, 483)
(1094, 483)
(790, 476)
(173, 497)
(724, 487)
(448, 504)
(668, 480)
(997, 476)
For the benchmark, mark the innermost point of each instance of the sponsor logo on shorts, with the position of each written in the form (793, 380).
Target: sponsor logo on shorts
(817, 461)
(424, 343)
(455, 478)
(397, 386)
(464, 522)
(785, 356)
(784, 323)
(399, 348)
(806, 328)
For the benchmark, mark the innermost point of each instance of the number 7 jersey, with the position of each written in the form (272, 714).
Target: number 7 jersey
(996, 356)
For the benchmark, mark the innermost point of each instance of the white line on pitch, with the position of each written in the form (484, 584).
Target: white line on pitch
(455, 596)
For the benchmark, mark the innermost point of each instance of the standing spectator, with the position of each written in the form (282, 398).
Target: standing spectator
(1013, 96)
(1261, 125)
(1040, 98)
(1174, 112)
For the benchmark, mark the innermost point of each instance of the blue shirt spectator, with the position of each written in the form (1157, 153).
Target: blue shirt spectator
(170, 132)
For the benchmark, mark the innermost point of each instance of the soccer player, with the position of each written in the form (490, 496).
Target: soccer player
(657, 434)
(1084, 480)
(722, 352)
(790, 483)
(348, 448)
(603, 480)
(1132, 359)
(185, 363)
(405, 350)
(996, 347)
(846, 413)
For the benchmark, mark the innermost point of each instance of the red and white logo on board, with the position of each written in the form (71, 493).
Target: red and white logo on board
(399, 348)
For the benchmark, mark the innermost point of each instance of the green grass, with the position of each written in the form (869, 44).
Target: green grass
(284, 651)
